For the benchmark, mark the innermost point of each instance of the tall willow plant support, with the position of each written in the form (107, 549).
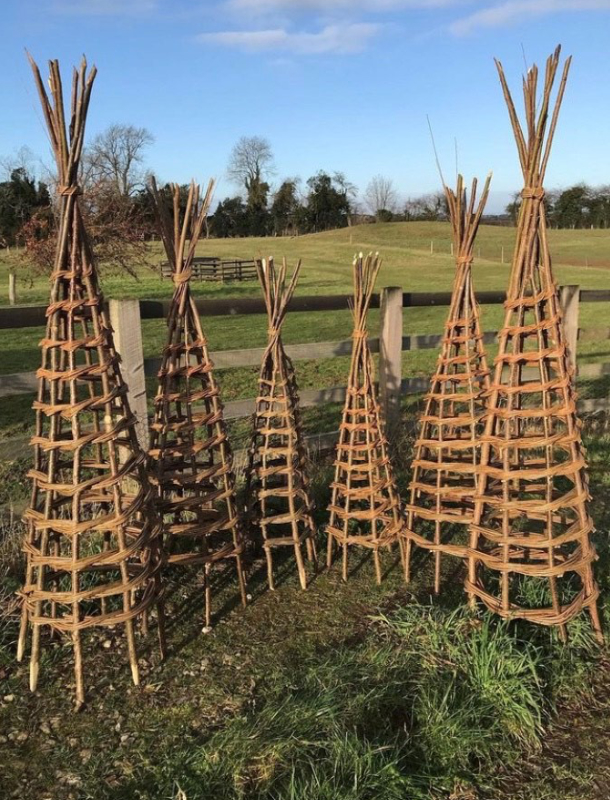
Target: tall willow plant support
(190, 459)
(530, 549)
(277, 486)
(365, 507)
(447, 449)
(93, 537)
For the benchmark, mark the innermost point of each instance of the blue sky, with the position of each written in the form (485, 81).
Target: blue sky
(333, 84)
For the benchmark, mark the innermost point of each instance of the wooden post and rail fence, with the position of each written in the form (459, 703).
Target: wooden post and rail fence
(212, 268)
(126, 317)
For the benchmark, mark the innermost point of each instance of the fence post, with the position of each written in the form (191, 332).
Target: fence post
(125, 320)
(12, 289)
(390, 353)
(570, 306)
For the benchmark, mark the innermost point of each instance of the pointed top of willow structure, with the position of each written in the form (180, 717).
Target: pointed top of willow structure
(365, 271)
(174, 235)
(66, 141)
(534, 143)
(276, 292)
(465, 215)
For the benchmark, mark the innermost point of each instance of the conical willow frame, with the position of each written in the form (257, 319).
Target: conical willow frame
(365, 508)
(447, 449)
(190, 458)
(277, 486)
(531, 556)
(93, 543)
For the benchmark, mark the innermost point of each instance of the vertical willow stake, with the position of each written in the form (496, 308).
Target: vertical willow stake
(365, 508)
(277, 487)
(93, 537)
(447, 448)
(530, 549)
(190, 459)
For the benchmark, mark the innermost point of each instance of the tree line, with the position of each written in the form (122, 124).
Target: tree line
(120, 216)
(578, 206)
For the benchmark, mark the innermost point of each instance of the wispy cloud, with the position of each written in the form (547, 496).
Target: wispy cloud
(109, 8)
(326, 6)
(515, 11)
(336, 39)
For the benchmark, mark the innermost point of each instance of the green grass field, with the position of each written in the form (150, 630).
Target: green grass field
(579, 256)
(326, 257)
(348, 691)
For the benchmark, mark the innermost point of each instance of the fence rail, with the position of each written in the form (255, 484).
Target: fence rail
(26, 316)
(210, 268)
(126, 316)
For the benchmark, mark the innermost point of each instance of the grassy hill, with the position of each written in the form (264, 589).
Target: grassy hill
(408, 262)
(580, 257)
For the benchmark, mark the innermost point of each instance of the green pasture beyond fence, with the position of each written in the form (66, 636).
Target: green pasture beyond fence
(126, 317)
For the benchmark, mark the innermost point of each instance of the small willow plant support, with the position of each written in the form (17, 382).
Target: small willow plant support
(190, 459)
(530, 550)
(365, 507)
(277, 486)
(447, 449)
(93, 542)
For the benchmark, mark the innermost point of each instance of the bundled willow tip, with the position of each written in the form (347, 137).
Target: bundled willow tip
(277, 486)
(190, 459)
(530, 550)
(93, 542)
(365, 507)
(445, 464)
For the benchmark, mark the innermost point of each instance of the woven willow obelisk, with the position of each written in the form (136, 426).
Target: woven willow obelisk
(447, 449)
(365, 507)
(190, 459)
(531, 556)
(93, 537)
(277, 487)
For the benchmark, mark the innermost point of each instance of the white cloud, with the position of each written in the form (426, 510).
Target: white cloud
(515, 11)
(337, 39)
(105, 7)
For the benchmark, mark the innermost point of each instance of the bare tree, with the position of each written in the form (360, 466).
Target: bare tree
(117, 226)
(115, 158)
(431, 207)
(250, 162)
(21, 159)
(380, 195)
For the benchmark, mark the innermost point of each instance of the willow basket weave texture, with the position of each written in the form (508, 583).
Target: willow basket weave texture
(530, 549)
(190, 458)
(445, 464)
(277, 486)
(93, 537)
(365, 507)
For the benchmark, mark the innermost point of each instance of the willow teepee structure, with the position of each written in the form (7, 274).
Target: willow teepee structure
(190, 459)
(93, 537)
(445, 464)
(365, 507)
(530, 552)
(277, 486)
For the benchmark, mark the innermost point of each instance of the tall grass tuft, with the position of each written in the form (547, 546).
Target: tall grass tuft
(11, 568)
(427, 703)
